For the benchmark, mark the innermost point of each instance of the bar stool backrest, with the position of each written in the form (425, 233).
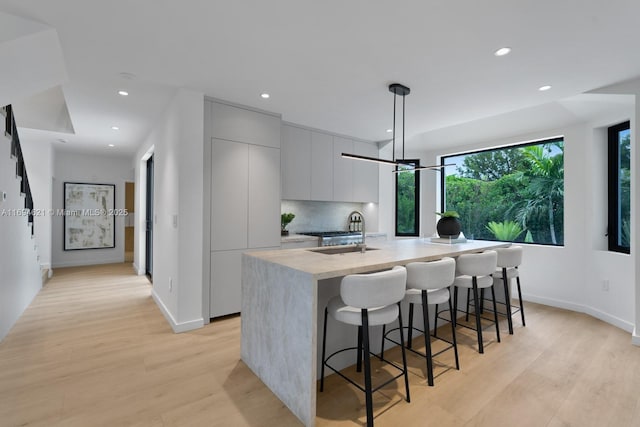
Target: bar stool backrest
(509, 257)
(480, 264)
(431, 275)
(374, 289)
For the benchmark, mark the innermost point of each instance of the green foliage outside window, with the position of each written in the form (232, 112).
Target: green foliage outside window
(407, 202)
(522, 185)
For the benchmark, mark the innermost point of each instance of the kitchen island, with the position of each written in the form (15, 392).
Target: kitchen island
(283, 297)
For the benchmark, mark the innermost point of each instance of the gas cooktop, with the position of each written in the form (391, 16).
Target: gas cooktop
(330, 233)
(334, 238)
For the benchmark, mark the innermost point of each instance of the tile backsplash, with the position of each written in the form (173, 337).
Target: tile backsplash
(327, 216)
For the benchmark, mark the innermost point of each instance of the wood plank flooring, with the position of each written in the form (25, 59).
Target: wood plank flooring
(94, 350)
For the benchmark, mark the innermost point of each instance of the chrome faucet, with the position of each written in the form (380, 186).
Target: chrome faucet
(363, 227)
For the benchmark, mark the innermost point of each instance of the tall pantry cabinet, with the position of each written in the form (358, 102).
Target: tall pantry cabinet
(244, 173)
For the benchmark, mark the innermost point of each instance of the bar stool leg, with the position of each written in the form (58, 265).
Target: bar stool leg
(404, 354)
(324, 347)
(435, 327)
(507, 298)
(520, 298)
(359, 355)
(478, 324)
(367, 367)
(410, 332)
(384, 331)
(495, 311)
(427, 337)
(454, 319)
(466, 317)
(482, 301)
(453, 333)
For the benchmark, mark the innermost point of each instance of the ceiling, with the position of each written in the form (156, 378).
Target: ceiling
(327, 64)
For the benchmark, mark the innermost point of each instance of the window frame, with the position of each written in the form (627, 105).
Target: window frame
(443, 162)
(613, 187)
(416, 233)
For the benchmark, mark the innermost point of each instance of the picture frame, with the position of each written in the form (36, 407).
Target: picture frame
(89, 216)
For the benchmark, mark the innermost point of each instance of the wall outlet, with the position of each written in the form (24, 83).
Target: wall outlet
(170, 284)
(605, 285)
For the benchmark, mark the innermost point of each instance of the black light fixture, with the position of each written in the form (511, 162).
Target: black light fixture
(396, 89)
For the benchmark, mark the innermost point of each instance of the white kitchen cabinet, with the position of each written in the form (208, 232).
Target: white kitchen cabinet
(244, 194)
(321, 166)
(342, 170)
(264, 197)
(365, 174)
(226, 276)
(244, 125)
(296, 163)
(229, 194)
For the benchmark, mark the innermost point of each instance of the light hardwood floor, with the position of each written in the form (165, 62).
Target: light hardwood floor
(94, 350)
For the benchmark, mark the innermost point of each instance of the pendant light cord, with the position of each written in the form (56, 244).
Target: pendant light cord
(403, 126)
(393, 153)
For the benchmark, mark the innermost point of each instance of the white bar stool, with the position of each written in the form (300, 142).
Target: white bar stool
(368, 300)
(473, 273)
(428, 283)
(508, 261)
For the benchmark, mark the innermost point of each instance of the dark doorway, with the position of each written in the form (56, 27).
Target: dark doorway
(149, 221)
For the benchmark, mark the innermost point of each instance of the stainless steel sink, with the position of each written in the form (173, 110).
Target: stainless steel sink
(337, 250)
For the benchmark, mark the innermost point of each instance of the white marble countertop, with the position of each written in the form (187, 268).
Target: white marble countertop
(383, 255)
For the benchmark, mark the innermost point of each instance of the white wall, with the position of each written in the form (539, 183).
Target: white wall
(177, 143)
(632, 88)
(39, 159)
(570, 276)
(20, 275)
(86, 168)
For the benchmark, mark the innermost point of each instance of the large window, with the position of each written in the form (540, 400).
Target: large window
(514, 193)
(408, 200)
(619, 187)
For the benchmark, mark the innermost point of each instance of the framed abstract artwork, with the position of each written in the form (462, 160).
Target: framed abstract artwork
(89, 216)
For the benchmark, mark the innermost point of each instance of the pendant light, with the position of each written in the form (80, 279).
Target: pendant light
(401, 90)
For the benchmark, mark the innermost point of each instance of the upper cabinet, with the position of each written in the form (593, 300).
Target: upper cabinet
(243, 125)
(321, 166)
(313, 167)
(365, 174)
(342, 170)
(296, 158)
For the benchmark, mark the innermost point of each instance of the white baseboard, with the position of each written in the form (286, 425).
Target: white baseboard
(581, 308)
(567, 305)
(138, 270)
(88, 262)
(635, 338)
(177, 327)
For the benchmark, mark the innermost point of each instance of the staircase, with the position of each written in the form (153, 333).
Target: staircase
(20, 271)
(21, 171)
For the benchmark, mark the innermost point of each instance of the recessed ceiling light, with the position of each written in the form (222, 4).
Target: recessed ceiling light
(502, 51)
(543, 88)
(265, 95)
(111, 145)
(389, 130)
(123, 93)
(115, 128)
